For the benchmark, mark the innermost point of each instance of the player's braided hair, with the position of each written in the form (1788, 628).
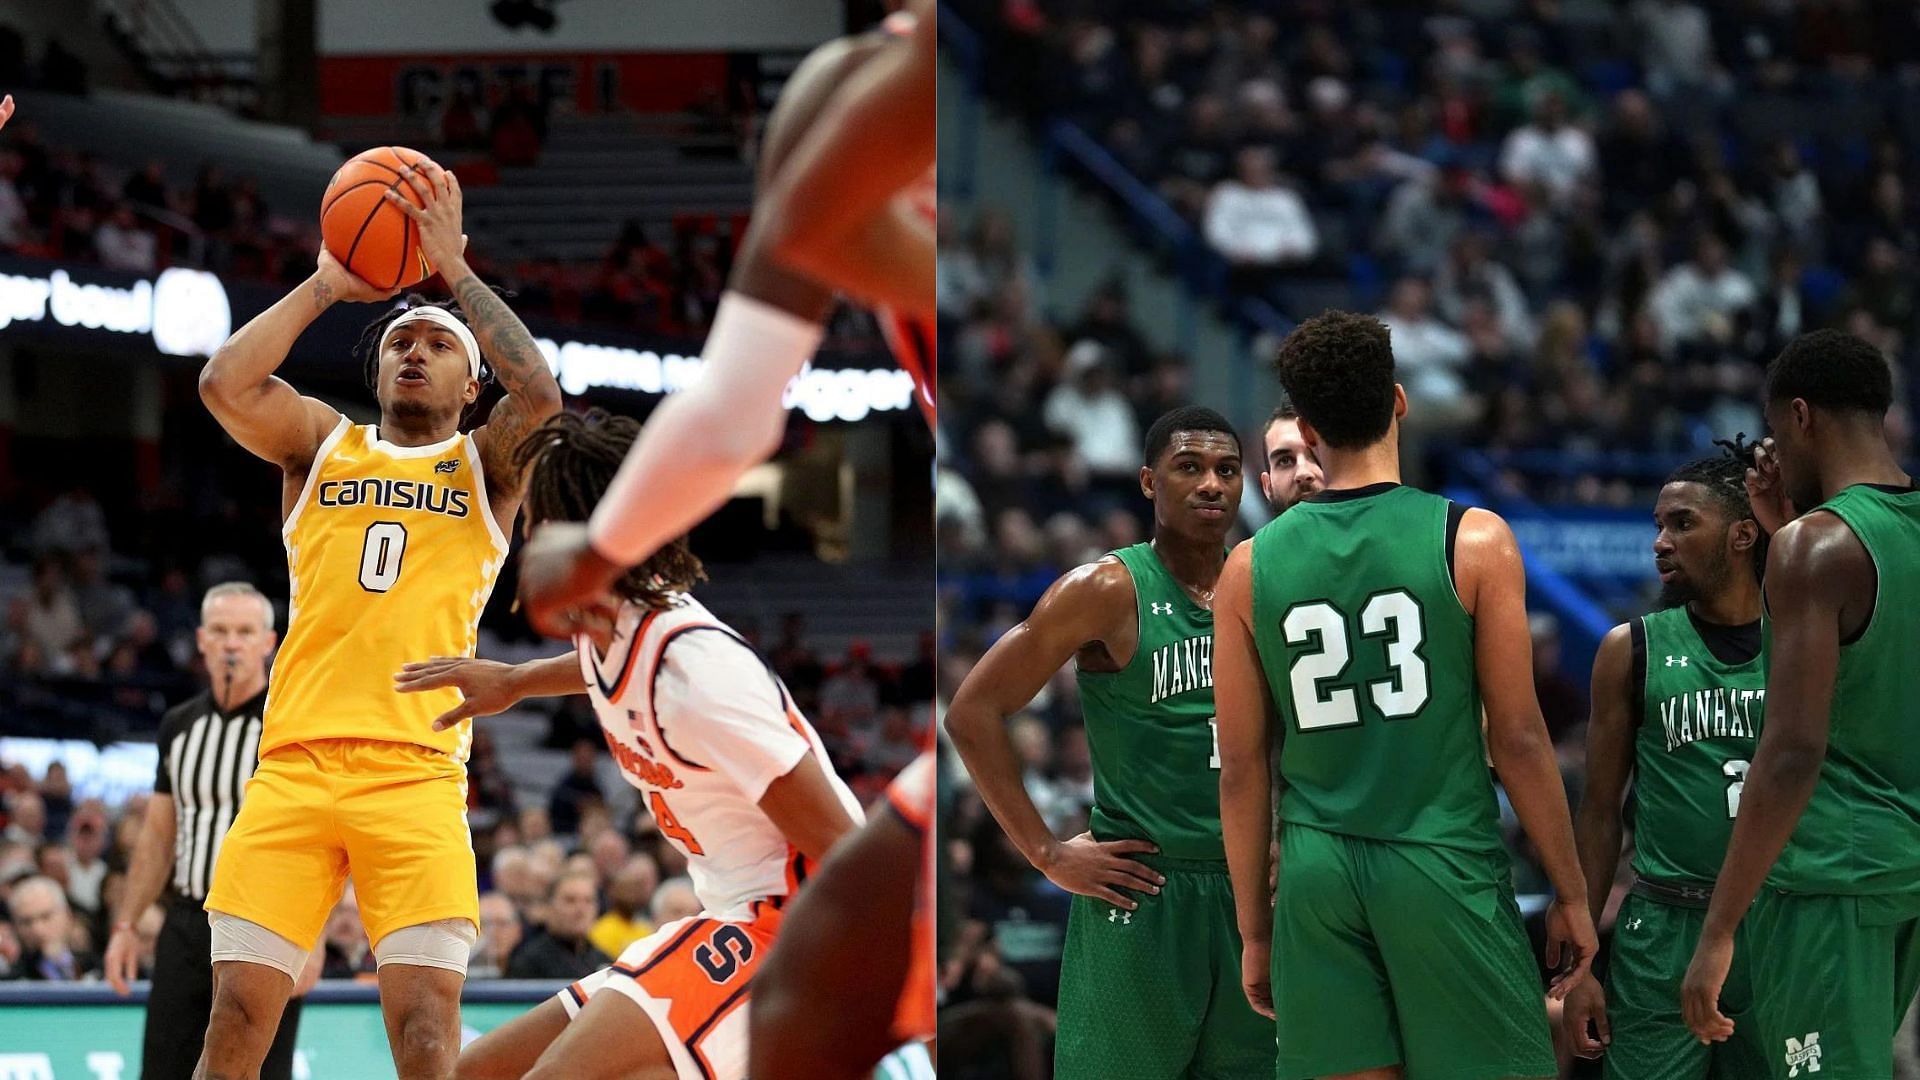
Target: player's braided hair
(367, 347)
(568, 461)
(1724, 475)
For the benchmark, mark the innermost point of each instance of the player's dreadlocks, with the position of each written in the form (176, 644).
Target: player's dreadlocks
(568, 461)
(367, 348)
(1724, 475)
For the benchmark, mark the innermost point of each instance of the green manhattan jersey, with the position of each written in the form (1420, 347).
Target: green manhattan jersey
(1861, 831)
(1699, 718)
(1369, 655)
(1150, 724)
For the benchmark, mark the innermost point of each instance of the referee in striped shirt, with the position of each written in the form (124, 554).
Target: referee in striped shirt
(209, 745)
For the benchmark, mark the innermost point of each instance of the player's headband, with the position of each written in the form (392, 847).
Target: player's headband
(444, 319)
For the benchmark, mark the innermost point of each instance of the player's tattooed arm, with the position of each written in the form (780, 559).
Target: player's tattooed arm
(532, 393)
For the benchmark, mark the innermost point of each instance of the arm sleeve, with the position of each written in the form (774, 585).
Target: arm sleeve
(718, 704)
(700, 441)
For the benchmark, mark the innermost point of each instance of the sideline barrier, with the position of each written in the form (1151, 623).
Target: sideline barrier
(85, 1031)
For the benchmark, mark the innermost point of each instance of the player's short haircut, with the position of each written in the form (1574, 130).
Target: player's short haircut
(1186, 418)
(568, 461)
(1282, 411)
(1724, 476)
(1833, 370)
(236, 588)
(1337, 368)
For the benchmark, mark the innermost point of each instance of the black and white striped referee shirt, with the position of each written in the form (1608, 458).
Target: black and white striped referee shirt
(206, 758)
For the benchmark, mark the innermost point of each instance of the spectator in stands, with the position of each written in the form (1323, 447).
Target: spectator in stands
(86, 862)
(1424, 216)
(575, 791)
(1639, 157)
(1563, 702)
(561, 950)
(55, 634)
(73, 521)
(674, 899)
(1469, 273)
(1088, 409)
(1794, 198)
(1676, 47)
(1701, 300)
(48, 936)
(26, 818)
(514, 877)
(629, 890)
(104, 606)
(348, 953)
(850, 698)
(488, 786)
(1260, 224)
(1016, 914)
(1430, 358)
(1549, 152)
(500, 934)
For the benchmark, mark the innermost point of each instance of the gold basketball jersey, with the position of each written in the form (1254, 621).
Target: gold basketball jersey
(392, 552)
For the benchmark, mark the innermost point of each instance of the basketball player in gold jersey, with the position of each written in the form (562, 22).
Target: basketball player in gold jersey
(394, 534)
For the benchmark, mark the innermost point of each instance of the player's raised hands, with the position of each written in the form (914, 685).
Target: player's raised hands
(1700, 990)
(436, 208)
(1571, 945)
(1584, 1020)
(1766, 491)
(1100, 869)
(343, 284)
(487, 686)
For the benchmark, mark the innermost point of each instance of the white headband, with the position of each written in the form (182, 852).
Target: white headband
(443, 318)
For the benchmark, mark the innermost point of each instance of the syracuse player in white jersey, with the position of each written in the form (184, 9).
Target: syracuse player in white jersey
(732, 773)
(864, 901)
(845, 205)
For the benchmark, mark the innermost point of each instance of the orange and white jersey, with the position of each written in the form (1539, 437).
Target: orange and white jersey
(911, 796)
(701, 726)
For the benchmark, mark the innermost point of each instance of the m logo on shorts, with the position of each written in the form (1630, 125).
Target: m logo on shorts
(1804, 1051)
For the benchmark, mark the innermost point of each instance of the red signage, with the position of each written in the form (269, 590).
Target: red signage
(581, 82)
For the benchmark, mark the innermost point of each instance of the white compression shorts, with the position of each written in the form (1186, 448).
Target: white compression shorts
(445, 943)
(235, 938)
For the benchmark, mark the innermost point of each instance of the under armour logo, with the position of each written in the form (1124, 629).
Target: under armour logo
(1115, 915)
(1162, 609)
(1676, 661)
(1634, 924)
(446, 466)
(1803, 1052)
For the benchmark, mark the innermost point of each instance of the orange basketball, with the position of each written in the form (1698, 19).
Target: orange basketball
(371, 237)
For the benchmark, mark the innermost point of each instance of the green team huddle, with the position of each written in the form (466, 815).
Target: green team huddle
(1295, 865)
